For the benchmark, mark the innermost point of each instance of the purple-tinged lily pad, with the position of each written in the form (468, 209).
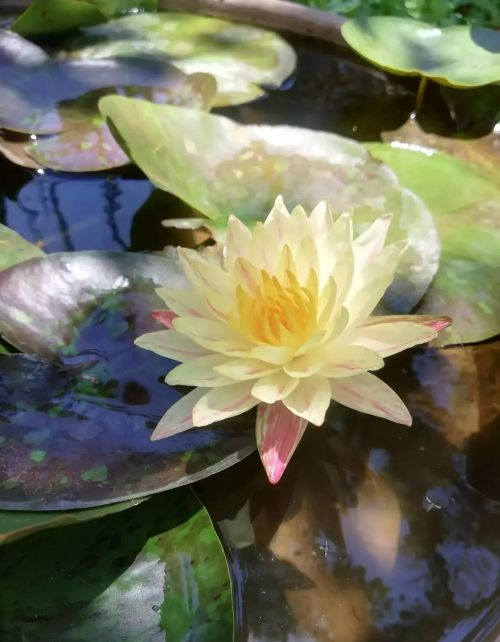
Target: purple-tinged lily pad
(242, 58)
(75, 429)
(220, 168)
(464, 201)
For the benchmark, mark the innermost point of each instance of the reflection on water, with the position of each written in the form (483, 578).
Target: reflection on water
(376, 533)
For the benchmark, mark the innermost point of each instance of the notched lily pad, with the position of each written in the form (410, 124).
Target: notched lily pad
(76, 424)
(458, 55)
(465, 204)
(219, 167)
(242, 58)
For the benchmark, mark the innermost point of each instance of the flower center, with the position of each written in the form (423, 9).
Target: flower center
(276, 313)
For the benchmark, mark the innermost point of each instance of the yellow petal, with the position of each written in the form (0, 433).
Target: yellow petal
(213, 335)
(366, 393)
(371, 242)
(178, 417)
(171, 344)
(273, 387)
(310, 399)
(242, 369)
(238, 240)
(390, 338)
(206, 276)
(277, 355)
(222, 403)
(348, 361)
(199, 372)
(184, 302)
(321, 220)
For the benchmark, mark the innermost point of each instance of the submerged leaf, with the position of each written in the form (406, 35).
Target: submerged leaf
(459, 55)
(75, 431)
(464, 203)
(242, 58)
(151, 573)
(221, 168)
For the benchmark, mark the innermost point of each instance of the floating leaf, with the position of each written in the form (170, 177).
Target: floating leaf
(15, 50)
(219, 167)
(240, 57)
(46, 17)
(75, 430)
(148, 574)
(17, 524)
(457, 55)
(14, 249)
(464, 203)
(374, 531)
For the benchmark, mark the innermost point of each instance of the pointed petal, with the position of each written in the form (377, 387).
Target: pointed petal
(278, 433)
(348, 361)
(171, 344)
(178, 417)
(277, 355)
(321, 219)
(206, 276)
(165, 317)
(199, 372)
(213, 335)
(436, 323)
(274, 387)
(222, 403)
(371, 242)
(366, 393)
(238, 241)
(183, 302)
(310, 399)
(242, 369)
(390, 338)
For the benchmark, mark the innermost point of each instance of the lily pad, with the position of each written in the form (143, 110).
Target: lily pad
(40, 96)
(375, 531)
(148, 574)
(47, 17)
(14, 249)
(219, 167)
(76, 419)
(243, 59)
(464, 203)
(17, 524)
(459, 55)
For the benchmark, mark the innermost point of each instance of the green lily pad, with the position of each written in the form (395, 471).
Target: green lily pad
(47, 17)
(76, 419)
(457, 55)
(149, 574)
(17, 524)
(375, 531)
(219, 167)
(464, 202)
(243, 59)
(14, 249)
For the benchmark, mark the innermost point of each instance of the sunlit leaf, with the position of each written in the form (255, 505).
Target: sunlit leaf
(464, 203)
(458, 55)
(14, 249)
(375, 531)
(219, 167)
(76, 420)
(46, 17)
(148, 574)
(15, 524)
(242, 58)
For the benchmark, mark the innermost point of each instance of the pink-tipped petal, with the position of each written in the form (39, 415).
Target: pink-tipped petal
(178, 417)
(278, 433)
(164, 316)
(438, 323)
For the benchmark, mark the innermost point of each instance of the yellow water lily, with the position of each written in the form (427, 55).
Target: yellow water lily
(283, 322)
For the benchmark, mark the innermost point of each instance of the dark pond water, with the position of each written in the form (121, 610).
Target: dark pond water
(377, 533)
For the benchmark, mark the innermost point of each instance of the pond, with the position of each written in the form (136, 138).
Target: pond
(377, 532)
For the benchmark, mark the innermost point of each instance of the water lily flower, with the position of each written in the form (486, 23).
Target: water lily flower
(283, 322)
